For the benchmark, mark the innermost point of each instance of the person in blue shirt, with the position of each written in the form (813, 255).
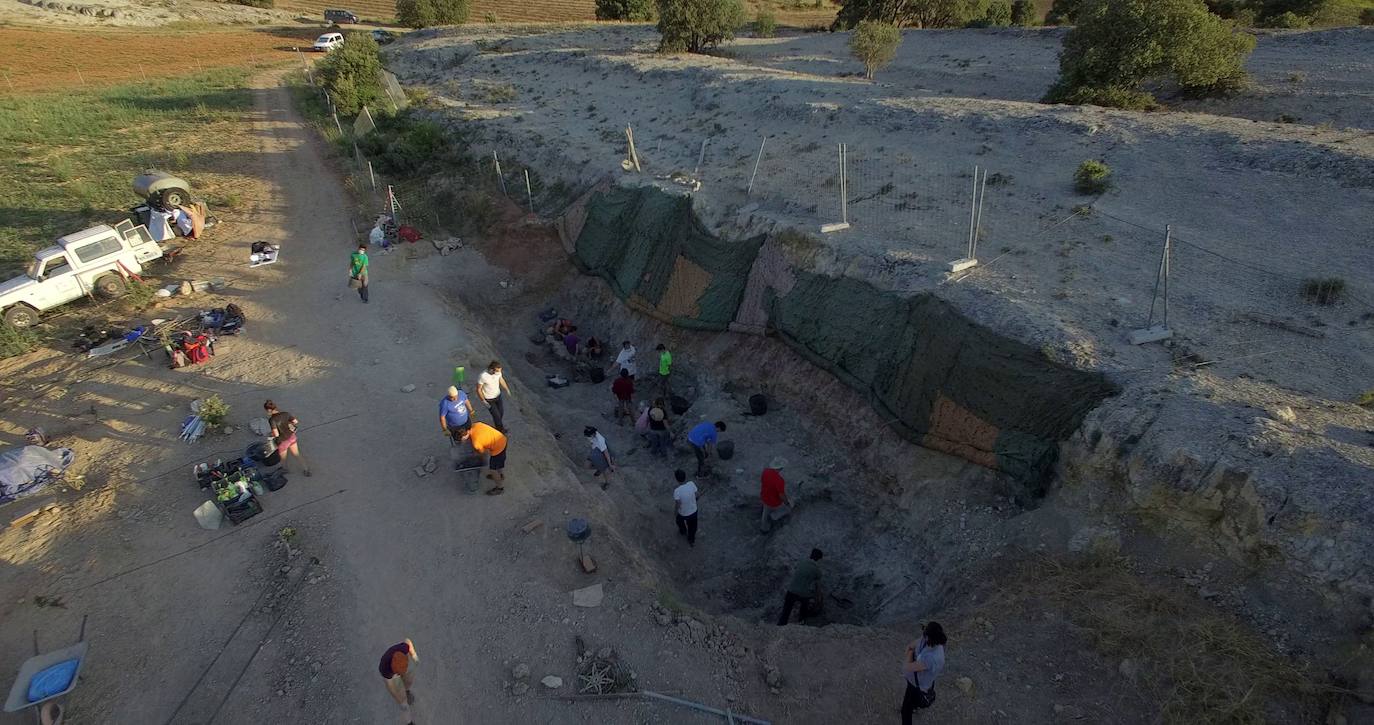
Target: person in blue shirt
(703, 439)
(455, 413)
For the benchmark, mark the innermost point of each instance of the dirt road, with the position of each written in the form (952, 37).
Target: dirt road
(195, 626)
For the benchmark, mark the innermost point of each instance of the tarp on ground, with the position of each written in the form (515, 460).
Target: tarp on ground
(25, 470)
(936, 377)
(658, 258)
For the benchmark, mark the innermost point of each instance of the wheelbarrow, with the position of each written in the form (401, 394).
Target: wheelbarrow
(19, 691)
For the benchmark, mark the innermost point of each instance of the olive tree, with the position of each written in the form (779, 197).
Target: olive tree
(875, 44)
(428, 13)
(352, 73)
(1118, 45)
(696, 25)
(640, 11)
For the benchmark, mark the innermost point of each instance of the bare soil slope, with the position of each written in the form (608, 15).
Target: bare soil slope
(1240, 432)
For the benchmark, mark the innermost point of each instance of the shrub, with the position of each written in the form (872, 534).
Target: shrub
(1119, 44)
(213, 410)
(1023, 13)
(428, 13)
(352, 73)
(1092, 177)
(1324, 291)
(1287, 19)
(637, 11)
(765, 24)
(501, 93)
(256, 3)
(140, 294)
(1063, 12)
(1367, 16)
(15, 340)
(693, 26)
(997, 15)
(875, 44)
(1366, 399)
(403, 145)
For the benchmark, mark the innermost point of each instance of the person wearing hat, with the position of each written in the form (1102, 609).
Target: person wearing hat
(660, 440)
(773, 494)
(455, 413)
(396, 669)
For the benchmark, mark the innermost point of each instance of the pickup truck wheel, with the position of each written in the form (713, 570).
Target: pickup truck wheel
(175, 197)
(110, 285)
(21, 316)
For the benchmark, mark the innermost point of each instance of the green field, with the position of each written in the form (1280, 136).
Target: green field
(67, 159)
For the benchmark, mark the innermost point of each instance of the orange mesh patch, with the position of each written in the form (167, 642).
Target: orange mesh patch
(685, 288)
(955, 430)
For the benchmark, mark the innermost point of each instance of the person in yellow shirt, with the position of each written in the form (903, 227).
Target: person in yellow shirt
(491, 443)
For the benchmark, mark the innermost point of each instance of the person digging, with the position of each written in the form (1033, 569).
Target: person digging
(703, 438)
(490, 443)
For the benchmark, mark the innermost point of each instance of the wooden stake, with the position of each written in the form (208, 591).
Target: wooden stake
(750, 189)
(497, 160)
(630, 140)
(528, 191)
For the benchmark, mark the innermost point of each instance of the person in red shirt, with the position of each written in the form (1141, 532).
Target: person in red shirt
(773, 494)
(624, 390)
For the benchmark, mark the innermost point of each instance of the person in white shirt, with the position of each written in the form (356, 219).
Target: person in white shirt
(625, 360)
(377, 237)
(599, 455)
(685, 506)
(490, 385)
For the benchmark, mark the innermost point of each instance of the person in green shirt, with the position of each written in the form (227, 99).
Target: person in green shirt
(357, 270)
(804, 588)
(665, 366)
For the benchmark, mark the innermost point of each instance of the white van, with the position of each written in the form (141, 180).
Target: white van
(327, 42)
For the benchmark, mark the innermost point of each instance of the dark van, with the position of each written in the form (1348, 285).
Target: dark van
(340, 16)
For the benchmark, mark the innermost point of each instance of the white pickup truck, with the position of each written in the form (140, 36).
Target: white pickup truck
(98, 260)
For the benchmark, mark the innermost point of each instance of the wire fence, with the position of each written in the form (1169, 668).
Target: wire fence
(1086, 259)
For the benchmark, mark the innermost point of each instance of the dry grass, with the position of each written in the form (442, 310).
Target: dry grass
(47, 60)
(1199, 664)
(525, 11)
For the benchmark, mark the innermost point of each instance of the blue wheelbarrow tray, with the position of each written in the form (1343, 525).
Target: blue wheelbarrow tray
(19, 691)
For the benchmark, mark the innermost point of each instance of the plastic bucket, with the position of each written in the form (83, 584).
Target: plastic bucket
(679, 404)
(726, 450)
(579, 530)
(758, 404)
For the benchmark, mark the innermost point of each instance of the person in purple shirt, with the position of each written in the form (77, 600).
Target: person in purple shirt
(571, 341)
(703, 439)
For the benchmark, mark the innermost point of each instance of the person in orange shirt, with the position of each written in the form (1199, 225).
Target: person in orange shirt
(487, 441)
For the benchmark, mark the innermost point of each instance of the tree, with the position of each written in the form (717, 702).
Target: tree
(1063, 12)
(637, 11)
(997, 15)
(914, 13)
(875, 44)
(1119, 44)
(428, 13)
(352, 73)
(696, 25)
(1023, 13)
